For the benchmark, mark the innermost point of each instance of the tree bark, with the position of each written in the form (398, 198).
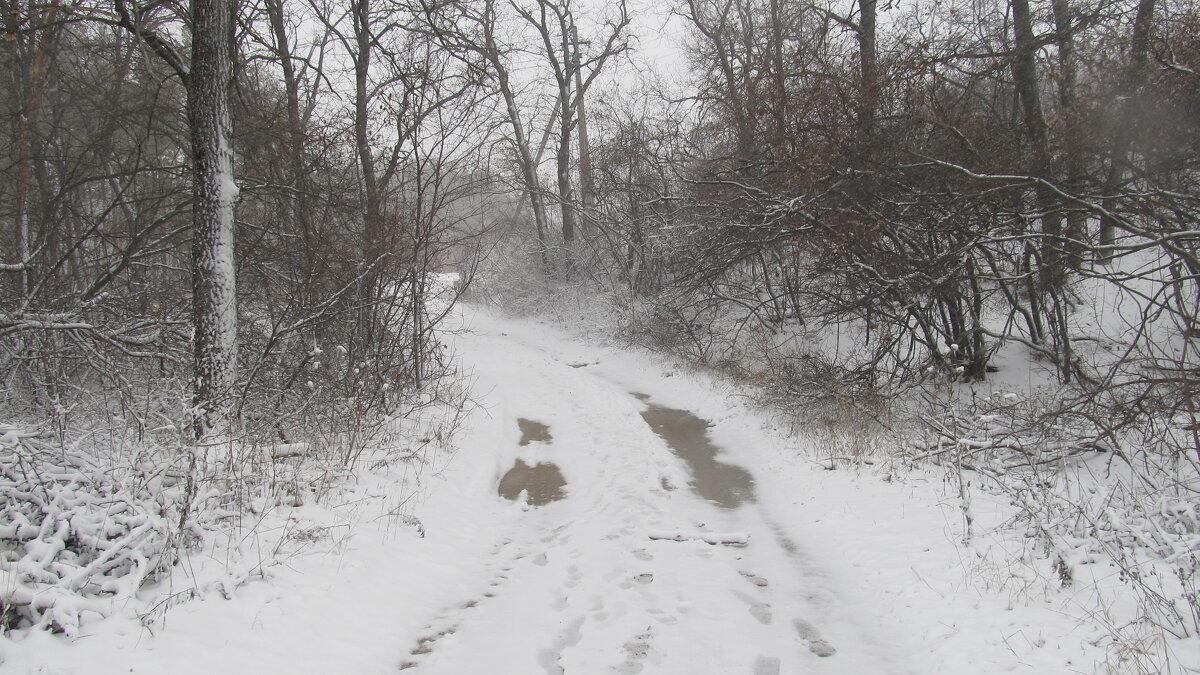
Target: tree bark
(214, 276)
(779, 107)
(555, 24)
(298, 203)
(566, 195)
(563, 62)
(525, 160)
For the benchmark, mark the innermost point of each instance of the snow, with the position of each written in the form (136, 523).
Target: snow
(825, 572)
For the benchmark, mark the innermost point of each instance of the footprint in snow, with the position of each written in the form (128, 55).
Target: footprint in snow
(662, 617)
(810, 634)
(636, 651)
(759, 610)
(762, 613)
(553, 536)
(766, 665)
(424, 646)
(550, 658)
(573, 577)
(560, 601)
(754, 579)
(820, 598)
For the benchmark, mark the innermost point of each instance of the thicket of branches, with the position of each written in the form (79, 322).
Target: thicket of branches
(847, 198)
(354, 142)
(852, 200)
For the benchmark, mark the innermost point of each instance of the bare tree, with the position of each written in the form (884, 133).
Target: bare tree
(207, 77)
(471, 31)
(573, 72)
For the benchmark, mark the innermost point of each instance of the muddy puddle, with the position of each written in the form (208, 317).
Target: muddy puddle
(726, 485)
(533, 431)
(543, 482)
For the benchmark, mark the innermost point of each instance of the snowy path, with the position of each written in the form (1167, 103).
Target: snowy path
(841, 572)
(600, 581)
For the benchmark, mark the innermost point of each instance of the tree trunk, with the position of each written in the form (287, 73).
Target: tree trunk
(298, 206)
(868, 64)
(1072, 132)
(525, 160)
(779, 105)
(1025, 78)
(565, 74)
(566, 196)
(214, 276)
(372, 241)
(587, 180)
(1118, 168)
(34, 76)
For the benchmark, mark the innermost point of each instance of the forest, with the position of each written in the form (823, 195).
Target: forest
(232, 232)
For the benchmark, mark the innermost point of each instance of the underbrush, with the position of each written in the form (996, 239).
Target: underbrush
(1098, 512)
(97, 528)
(108, 504)
(89, 527)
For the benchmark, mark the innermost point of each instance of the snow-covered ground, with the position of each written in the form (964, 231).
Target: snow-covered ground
(840, 572)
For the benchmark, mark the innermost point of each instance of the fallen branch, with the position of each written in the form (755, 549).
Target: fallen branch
(711, 538)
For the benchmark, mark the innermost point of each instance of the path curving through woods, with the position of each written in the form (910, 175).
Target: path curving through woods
(654, 555)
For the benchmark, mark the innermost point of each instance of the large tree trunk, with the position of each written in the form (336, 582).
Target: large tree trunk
(214, 277)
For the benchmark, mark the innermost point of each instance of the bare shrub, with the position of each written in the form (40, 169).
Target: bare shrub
(1084, 497)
